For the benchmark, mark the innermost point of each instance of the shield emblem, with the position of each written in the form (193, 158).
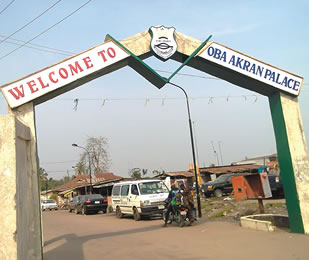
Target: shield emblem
(163, 42)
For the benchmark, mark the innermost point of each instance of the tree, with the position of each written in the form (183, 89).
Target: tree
(137, 173)
(50, 183)
(99, 157)
(80, 168)
(43, 179)
(157, 172)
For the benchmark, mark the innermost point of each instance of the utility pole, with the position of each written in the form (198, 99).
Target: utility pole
(212, 143)
(220, 152)
(193, 152)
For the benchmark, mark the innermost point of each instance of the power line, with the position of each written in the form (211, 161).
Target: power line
(30, 21)
(8, 5)
(189, 75)
(49, 28)
(36, 48)
(58, 162)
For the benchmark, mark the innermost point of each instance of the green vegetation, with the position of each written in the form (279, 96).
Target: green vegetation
(221, 213)
(275, 205)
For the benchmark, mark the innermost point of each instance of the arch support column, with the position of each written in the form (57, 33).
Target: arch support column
(21, 229)
(293, 158)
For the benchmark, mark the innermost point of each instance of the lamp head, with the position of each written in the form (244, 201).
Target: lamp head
(74, 145)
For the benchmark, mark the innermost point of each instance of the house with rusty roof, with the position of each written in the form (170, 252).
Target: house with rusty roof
(102, 183)
(211, 173)
(206, 173)
(178, 177)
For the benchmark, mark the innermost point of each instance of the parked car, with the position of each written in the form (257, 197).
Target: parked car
(49, 204)
(85, 204)
(223, 185)
(218, 187)
(276, 185)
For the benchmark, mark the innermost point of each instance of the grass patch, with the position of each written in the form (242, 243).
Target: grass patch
(220, 213)
(275, 205)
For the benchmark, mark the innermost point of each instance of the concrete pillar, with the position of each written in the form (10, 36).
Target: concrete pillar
(293, 159)
(20, 229)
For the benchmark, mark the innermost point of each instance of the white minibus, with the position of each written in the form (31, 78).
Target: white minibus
(139, 198)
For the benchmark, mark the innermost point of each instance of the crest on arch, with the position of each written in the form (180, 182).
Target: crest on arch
(163, 42)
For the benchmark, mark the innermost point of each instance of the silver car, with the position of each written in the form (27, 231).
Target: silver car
(49, 204)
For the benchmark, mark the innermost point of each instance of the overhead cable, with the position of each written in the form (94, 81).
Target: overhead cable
(49, 28)
(45, 49)
(8, 5)
(30, 21)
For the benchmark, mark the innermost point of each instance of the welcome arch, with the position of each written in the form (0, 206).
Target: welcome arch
(18, 147)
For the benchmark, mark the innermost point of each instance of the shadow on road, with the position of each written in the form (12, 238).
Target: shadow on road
(73, 246)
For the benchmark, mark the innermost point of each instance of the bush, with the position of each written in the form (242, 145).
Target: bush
(53, 197)
(110, 209)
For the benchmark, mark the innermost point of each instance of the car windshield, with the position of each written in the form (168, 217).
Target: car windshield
(152, 188)
(48, 201)
(94, 197)
(222, 178)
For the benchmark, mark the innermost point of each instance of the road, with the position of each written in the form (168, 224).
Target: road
(103, 236)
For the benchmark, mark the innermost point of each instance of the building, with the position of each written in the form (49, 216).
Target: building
(102, 183)
(211, 173)
(261, 160)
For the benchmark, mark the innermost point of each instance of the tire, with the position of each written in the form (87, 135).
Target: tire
(76, 211)
(104, 211)
(119, 213)
(136, 215)
(84, 212)
(70, 210)
(182, 221)
(218, 193)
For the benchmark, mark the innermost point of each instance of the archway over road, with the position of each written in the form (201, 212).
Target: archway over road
(19, 160)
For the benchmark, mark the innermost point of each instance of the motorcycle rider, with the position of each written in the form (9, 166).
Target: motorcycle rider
(188, 201)
(173, 200)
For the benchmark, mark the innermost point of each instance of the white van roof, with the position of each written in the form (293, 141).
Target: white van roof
(136, 182)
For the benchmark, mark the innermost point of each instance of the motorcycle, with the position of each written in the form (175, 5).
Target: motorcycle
(180, 215)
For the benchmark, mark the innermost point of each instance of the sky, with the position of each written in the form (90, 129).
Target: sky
(147, 127)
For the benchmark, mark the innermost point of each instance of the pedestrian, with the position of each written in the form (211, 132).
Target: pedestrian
(188, 201)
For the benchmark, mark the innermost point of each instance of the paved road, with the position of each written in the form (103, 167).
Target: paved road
(103, 236)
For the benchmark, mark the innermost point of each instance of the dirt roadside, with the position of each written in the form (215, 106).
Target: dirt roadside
(230, 209)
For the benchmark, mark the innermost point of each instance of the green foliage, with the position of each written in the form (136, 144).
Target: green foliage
(80, 168)
(49, 183)
(157, 172)
(137, 173)
(110, 209)
(53, 197)
(220, 213)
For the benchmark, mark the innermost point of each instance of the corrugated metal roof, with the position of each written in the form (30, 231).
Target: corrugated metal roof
(230, 169)
(83, 180)
(186, 174)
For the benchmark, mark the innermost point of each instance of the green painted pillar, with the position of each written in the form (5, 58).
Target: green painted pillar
(293, 159)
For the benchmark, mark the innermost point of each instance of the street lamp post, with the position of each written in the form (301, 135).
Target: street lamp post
(193, 152)
(75, 145)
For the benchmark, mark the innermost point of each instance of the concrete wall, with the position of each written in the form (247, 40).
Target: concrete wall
(20, 218)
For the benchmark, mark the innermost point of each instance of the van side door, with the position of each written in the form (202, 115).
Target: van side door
(125, 207)
(116, 196)
(134, 198)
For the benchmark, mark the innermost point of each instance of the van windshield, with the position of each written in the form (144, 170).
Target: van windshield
(152, 188)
